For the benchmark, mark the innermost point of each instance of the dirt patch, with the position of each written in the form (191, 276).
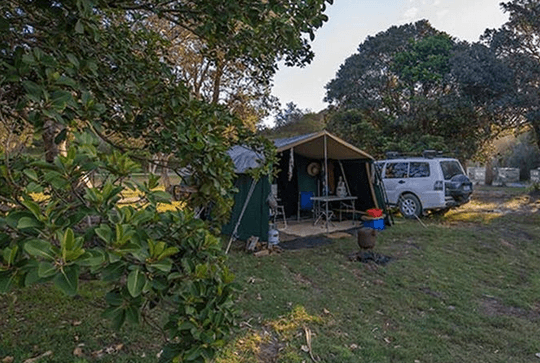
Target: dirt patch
(269, 351)
(306, 242)
(492, 307)
(504, 202)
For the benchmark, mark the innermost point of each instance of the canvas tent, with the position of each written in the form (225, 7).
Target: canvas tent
(307, 163)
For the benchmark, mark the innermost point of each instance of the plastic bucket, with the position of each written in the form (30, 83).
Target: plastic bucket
(273, 236)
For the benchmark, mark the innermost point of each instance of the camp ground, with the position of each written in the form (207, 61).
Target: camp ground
(323, 184)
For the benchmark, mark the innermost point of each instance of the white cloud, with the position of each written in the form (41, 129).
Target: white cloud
(441, 14)
(410, 14)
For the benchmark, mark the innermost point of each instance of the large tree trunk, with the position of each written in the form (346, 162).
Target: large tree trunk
(489, 172)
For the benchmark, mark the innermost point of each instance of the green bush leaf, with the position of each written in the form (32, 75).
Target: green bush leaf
(6, 280)
(46, 269)
(28, 222)
(135, 282)
(105, 233)
(132, 314)
(114, 299)
(9, 254)
(93, 258)
(31, 174)
(40, 248)
(164, 265)
(68, 280)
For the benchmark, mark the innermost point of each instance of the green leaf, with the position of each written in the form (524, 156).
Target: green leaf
(132, 314)
(40, 248)
(9, 254)
(68, 240)
(168, 252)
(117, 314)
(114, 299)
(135, 282)
(32, 207)
(34, 90)
(105, 233)
(73, 60)
(113, 271)
(30, 173)
(61, 137)
(79, 27)
(31, 277)
(6, 280)
(46, 269)
(93, 258)
(28, 222)
(164, 265)
(68, 280)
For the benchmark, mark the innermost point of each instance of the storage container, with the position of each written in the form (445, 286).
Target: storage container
(374, 223)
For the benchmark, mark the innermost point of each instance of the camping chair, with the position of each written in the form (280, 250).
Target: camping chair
(305, 203)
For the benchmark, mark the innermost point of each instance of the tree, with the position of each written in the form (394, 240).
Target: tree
(517, 44)
(86, 73)
(290, 114)
(409, 85)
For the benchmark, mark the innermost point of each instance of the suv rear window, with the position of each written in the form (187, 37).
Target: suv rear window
(450, 168)
(396, 170)
(419, 170)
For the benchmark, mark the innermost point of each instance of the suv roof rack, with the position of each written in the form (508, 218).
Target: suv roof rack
(428, 154)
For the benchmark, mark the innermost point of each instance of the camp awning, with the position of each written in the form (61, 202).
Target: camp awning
(312, 147)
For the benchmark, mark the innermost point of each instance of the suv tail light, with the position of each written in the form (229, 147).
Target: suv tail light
(439, 185)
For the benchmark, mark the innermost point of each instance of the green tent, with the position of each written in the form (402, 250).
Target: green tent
(307, 164)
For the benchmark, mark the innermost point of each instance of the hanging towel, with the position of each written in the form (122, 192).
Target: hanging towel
(291, 164)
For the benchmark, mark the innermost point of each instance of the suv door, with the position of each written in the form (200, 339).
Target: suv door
(395, 178)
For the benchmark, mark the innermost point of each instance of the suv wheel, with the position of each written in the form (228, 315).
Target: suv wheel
(410, 206)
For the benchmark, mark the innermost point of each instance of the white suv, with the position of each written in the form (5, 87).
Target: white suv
(418, 184)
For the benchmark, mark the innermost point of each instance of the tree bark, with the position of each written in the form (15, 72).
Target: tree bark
(51, 130)
(489, 172)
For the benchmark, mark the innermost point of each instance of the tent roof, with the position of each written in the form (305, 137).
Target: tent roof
(244, 158)
(312, 146)
(309, 145)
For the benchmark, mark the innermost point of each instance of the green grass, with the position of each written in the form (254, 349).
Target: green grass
(465, 288)
(40, 319)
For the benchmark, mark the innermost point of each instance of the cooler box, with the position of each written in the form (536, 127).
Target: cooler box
(374, 223)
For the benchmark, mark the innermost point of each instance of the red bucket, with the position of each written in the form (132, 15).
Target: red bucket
(375, 213)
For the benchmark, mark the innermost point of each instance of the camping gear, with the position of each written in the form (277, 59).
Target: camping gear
(375, 223)
(273, 236)
(374, 212)
(313, 169)
(366, 238)
(341, 190)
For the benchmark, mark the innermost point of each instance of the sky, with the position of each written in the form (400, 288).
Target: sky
(351, 21)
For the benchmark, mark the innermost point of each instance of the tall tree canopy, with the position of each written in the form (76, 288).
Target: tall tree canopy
(517, 44)
(87, 75)
(412, 88)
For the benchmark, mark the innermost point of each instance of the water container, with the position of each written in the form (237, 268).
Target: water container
(273, 236)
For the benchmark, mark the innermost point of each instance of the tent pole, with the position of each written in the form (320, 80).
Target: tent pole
(234, 236)
(326, 190)
(369, 175)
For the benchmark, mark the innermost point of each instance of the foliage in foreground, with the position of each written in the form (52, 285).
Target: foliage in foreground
(148, 258)
(76, 73)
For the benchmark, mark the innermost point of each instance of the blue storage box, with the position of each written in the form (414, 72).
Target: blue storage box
(374, 223)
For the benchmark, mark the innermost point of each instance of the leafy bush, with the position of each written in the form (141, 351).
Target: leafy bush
(56, 228)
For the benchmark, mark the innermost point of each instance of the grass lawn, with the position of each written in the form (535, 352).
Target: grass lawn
(464, 288)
